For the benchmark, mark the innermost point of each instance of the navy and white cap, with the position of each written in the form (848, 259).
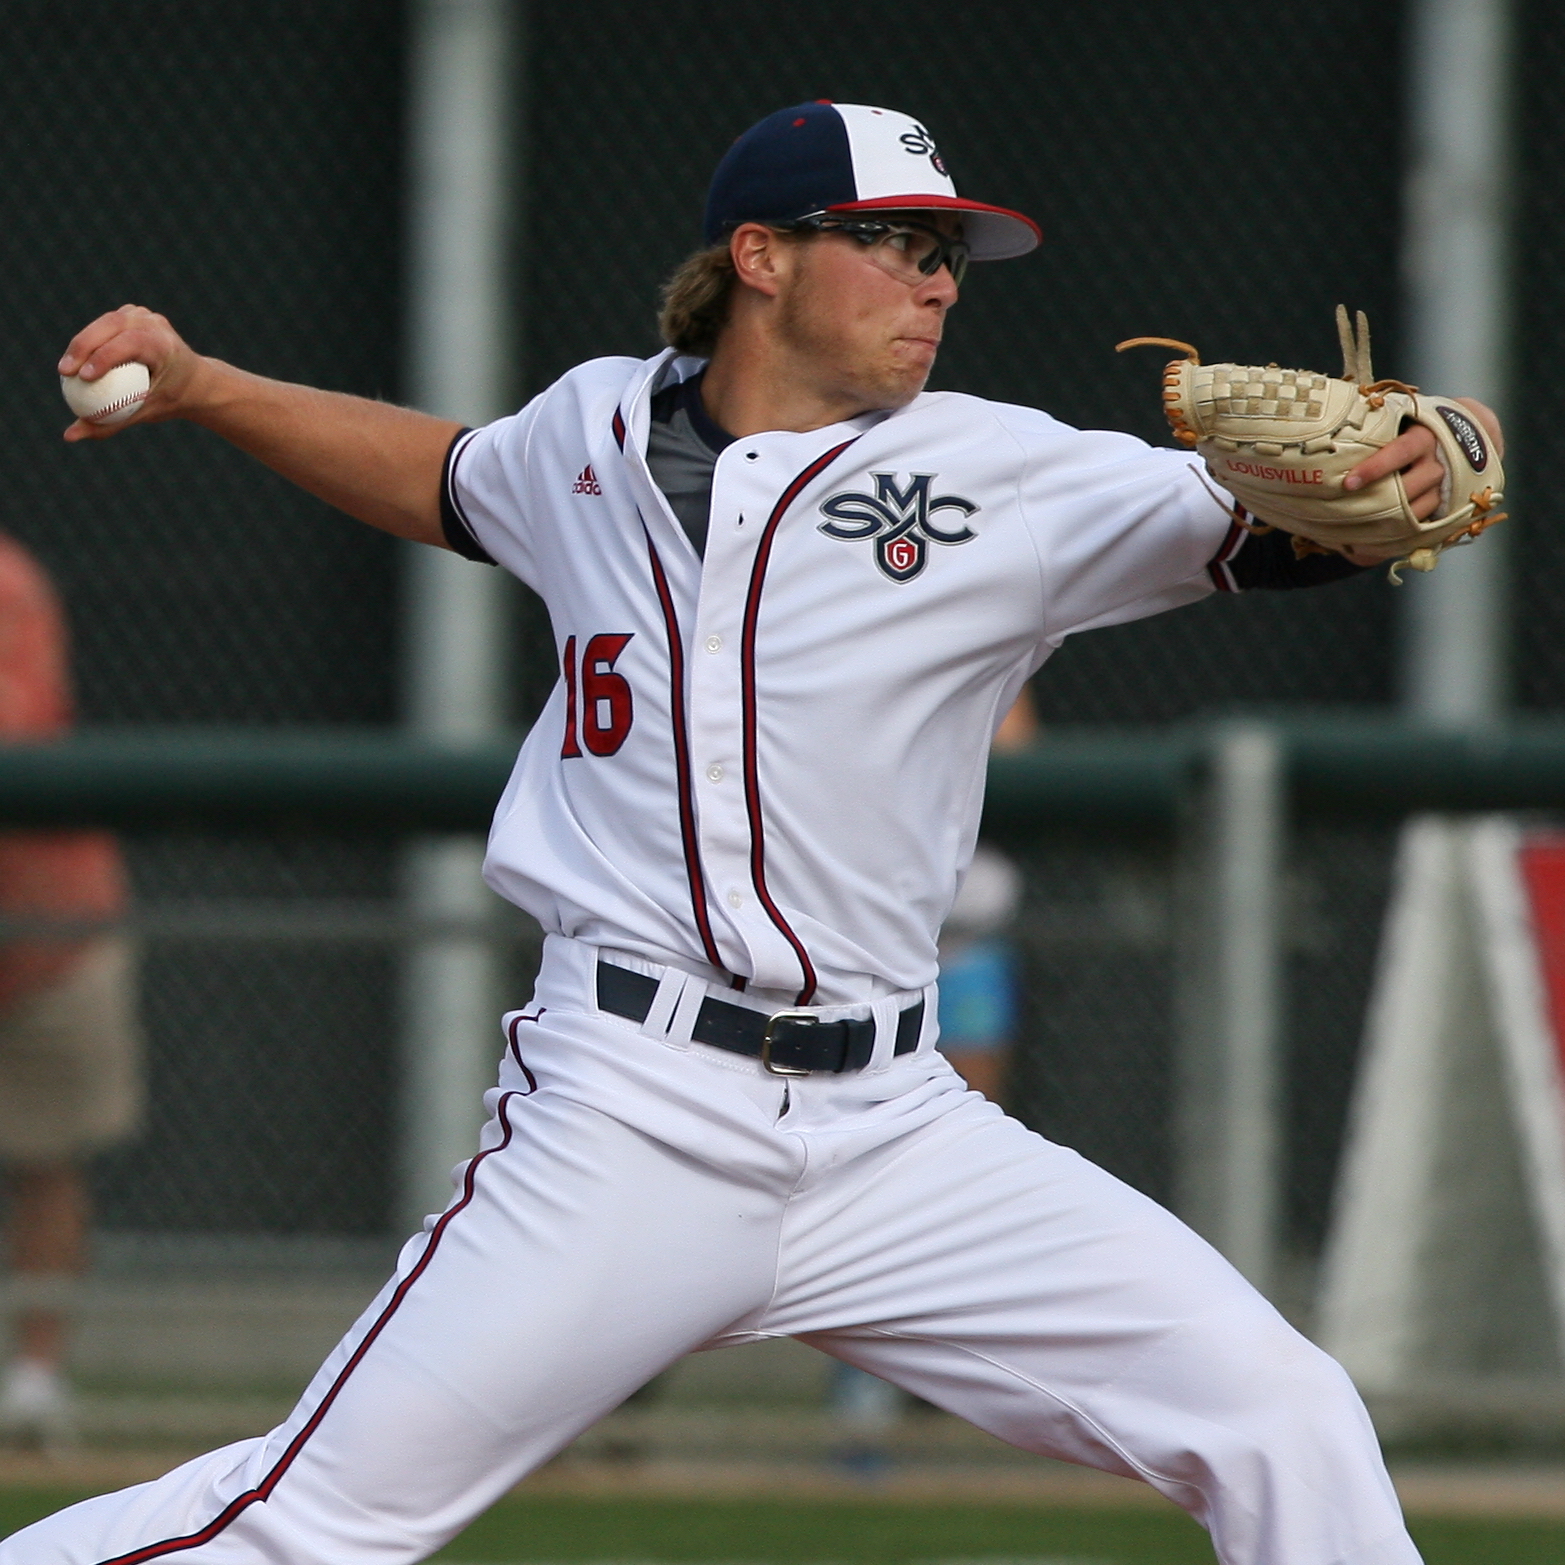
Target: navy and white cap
(844, 158)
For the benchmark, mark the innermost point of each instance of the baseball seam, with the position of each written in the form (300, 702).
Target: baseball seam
(115, 407)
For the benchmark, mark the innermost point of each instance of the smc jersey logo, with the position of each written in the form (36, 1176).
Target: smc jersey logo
(899, 521)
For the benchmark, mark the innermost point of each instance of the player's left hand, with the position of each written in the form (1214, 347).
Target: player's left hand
(1412, 454)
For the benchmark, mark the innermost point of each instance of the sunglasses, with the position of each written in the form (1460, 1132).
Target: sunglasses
(909, 251)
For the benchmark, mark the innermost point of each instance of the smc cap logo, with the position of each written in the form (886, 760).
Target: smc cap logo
(920, 143)
(899, 521)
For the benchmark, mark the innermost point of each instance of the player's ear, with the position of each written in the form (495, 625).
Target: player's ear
(760, 256)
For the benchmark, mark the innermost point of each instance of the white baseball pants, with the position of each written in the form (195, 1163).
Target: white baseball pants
(637, 1196)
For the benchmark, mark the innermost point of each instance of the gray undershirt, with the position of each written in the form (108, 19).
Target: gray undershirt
(681, 459)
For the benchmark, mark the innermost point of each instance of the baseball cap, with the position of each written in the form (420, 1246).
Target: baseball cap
(849, 157)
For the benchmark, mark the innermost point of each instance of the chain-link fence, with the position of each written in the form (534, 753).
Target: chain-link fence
(271, 1060)
(236, 166)
(1538, 303)
(240, 166)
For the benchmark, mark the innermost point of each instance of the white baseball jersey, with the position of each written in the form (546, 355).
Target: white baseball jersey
(771, 760)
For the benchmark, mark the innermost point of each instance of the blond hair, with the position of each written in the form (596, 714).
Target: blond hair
(696, 298)
(695, 301)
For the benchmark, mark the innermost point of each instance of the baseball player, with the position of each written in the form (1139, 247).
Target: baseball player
(792, 596)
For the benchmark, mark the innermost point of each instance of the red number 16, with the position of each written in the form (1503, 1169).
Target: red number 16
(607, 710)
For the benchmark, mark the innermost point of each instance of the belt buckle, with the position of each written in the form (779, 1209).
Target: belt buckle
(766, 1041)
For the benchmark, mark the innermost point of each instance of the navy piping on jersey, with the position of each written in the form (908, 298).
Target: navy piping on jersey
(263, 1490)
(454, 524)
(1219, 570)
(752, 781)
(687, 813)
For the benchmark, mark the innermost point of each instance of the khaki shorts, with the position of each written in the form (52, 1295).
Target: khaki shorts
(70, 1062)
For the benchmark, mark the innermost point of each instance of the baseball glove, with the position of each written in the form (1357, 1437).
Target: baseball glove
(1281, 442)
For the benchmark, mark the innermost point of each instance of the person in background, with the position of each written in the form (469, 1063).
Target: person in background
(978, 1016)
(978, 980)
(70, 1080)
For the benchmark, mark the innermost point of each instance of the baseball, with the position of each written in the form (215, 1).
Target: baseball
(113, 397)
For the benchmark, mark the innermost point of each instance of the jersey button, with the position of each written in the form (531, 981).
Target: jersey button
(714, 773)
(714, 643)
(735, 900)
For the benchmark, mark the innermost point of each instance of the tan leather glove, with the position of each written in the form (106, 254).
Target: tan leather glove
(1281, 442)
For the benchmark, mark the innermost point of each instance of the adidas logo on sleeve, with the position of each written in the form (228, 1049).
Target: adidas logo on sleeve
(586, 482)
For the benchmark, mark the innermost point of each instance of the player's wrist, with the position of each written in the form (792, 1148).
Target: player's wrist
(208, 390)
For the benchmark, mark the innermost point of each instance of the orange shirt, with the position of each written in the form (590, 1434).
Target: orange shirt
(62, 874)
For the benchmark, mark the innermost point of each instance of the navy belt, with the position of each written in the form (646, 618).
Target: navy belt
(788, 1043)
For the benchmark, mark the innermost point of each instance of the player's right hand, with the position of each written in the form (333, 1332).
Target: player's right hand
(132, 334)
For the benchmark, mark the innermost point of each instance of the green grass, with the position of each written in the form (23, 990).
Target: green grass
(873, 1532)
(20, 1506)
